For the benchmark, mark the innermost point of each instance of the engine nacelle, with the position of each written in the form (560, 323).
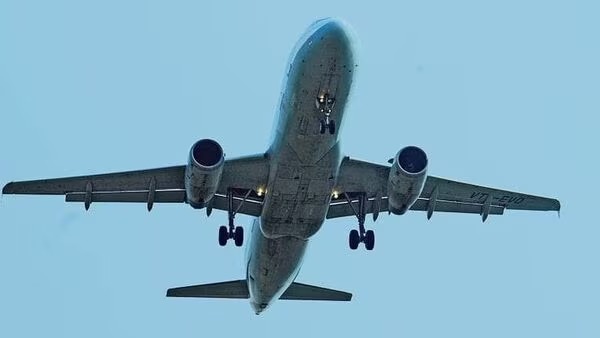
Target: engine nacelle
(407, 178)
(203, 172)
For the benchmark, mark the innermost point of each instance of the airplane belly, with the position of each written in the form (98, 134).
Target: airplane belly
(294, 218)
(322, 65)
(305, 159)
(298, 194)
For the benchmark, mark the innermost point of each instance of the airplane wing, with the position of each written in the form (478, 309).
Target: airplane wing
(160, 185)
(439, 194)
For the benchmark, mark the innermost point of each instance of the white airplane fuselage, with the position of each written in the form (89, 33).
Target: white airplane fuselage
(304, 162)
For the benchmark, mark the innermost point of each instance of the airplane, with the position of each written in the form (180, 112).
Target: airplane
(301, 180)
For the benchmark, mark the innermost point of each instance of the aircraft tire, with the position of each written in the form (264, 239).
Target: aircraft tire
(331, 127)
(353, 239)
(369, 240)
(223, 235)
(238, 236)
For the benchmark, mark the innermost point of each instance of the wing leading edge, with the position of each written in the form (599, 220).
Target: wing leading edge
(438, 194)
(160, 185)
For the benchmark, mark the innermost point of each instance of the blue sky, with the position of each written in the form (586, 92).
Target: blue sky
(502, 93)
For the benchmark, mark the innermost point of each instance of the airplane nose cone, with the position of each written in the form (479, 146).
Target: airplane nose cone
(326, 38)
(334, 30)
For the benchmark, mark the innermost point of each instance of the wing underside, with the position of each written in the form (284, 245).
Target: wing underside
(438, 195)
(161, 185)
(241, 176)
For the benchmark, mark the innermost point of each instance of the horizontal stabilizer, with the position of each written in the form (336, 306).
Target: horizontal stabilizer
(237, 289)
(298, 291)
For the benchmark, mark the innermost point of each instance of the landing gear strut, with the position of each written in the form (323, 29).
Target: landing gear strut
(361, 235)
(325, 105)
(231, 231)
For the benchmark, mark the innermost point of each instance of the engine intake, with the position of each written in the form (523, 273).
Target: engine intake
(203, 172)
(407, 178)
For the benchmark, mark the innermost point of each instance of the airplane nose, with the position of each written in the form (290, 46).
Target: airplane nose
(328, 36)
(333, 29)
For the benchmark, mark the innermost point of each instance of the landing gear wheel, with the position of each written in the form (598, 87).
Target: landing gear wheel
(353, 239)
(322, 126)
(369, 240)
(223, 235)
(231, 231)
(331, 127)
(361, 235)
(238, 236)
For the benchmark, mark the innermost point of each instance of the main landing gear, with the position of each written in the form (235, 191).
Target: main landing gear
(231, 231)
(361, 235)
(325, 105)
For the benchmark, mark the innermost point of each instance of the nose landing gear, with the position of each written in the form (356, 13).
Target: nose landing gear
(327, 124)
(325, 105)
(361, 235)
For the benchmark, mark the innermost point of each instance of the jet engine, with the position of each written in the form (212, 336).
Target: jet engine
(407, 178)
(203, 172)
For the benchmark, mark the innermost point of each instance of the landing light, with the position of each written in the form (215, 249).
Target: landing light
(335, 194)
(260, 192)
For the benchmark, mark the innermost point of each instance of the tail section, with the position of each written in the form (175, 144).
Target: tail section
(238, 289)
(298, 291)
